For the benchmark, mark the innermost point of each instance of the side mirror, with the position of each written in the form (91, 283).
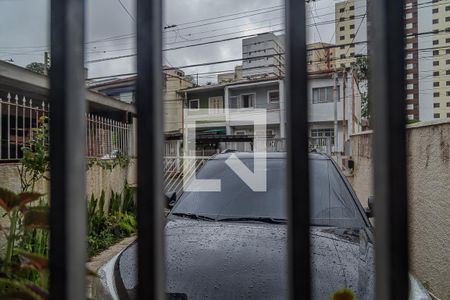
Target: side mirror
(171, 199)
(369, 209)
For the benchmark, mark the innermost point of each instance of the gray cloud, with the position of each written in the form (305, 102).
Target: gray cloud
(25, 23)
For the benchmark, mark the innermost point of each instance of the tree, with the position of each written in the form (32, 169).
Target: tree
(361, 75)
(36, 67)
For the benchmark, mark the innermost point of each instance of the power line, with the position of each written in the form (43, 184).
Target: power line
(126, 10)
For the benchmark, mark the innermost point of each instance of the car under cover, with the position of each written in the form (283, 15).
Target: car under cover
(233, 260)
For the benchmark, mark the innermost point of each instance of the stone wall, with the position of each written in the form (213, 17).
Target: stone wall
(428, 163)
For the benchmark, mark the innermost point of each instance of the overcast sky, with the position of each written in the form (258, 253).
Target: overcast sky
(24, 31)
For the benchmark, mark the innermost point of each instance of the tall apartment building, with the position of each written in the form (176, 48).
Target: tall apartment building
(441, 59)
(263, 56)
(412, 60)
(345, 33)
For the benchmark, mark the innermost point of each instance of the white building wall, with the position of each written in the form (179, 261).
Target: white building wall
(261, 45)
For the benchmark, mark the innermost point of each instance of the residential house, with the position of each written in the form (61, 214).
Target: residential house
(174, 80)
(24, 101)
(331, 122)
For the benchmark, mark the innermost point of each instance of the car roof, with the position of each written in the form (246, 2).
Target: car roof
(269, 155)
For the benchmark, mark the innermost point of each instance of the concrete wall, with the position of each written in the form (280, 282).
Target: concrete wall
(428, 162)
(97, 179)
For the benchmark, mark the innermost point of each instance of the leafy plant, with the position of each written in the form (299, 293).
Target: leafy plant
(35, 161)
(361, 76)
(343, 294)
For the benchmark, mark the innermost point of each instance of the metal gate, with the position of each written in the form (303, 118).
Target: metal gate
(67, 133)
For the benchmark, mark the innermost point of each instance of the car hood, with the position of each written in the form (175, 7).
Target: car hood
(229, 260)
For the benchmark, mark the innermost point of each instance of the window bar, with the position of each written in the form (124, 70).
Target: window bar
(387, 87)
(67, 157)
(297, 152)
(150, 141)
(16, 126)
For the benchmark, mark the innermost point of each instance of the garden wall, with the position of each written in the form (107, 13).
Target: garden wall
(97, 179)
(428, 163)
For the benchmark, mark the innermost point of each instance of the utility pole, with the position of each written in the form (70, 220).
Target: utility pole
(344, 99)
(46, 63)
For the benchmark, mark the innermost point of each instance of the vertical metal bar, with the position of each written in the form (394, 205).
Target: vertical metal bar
(1, 128)
(297, 151)
(31, 119)
(89, 142)
(387, 88)
(67, 158)
(23, 121)
(150, 140)
(16, 126)
(8, 127)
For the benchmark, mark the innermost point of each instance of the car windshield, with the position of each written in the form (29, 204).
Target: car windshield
(331, 202)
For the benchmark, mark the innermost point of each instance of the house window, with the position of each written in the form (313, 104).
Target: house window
(352, 26)
(448, 94)
(233, 102)
(436, 63)
(448, 115)
(341, 10)
(435, 21)
(352, 17)
(194, 104)
(273, 96)
(247, 101)
(215, 105)
(448, 104)
(341, 28)
(447, 72)
(436, 42)
(436, 73)
(323, 95)
(435, 52)
(436, 94)
(437, 116)
(352, 36)
(341, 37)
(323, 133)
(435, 10)
(447, 40)
(435, 84)
(436, 105)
